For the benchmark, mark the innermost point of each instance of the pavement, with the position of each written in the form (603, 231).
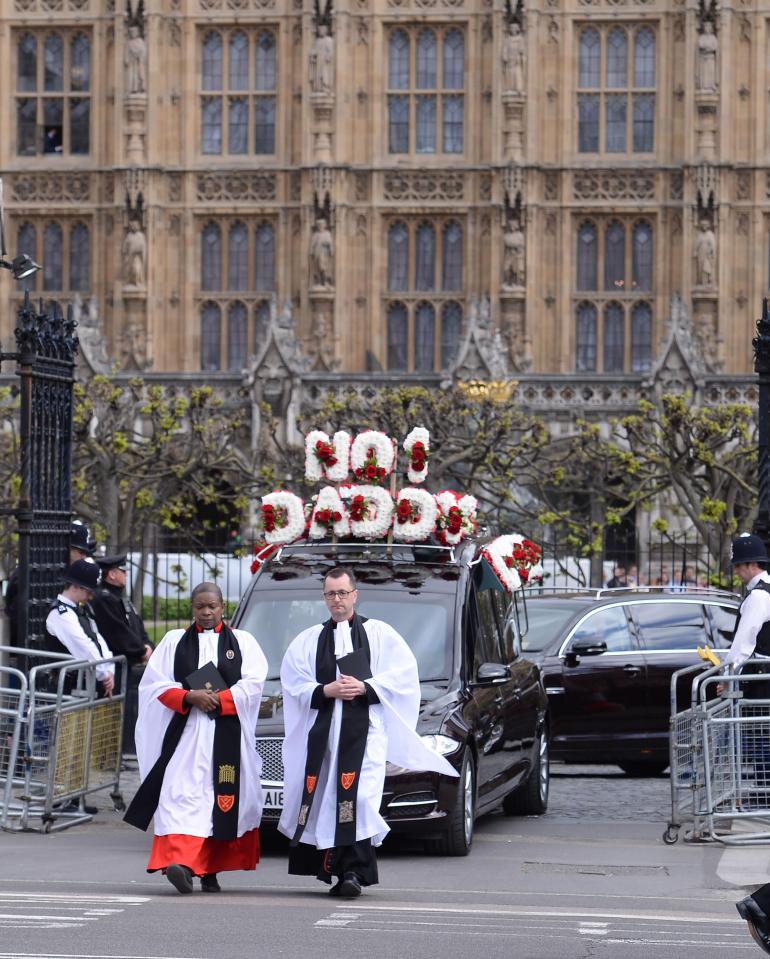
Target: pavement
(592, 879)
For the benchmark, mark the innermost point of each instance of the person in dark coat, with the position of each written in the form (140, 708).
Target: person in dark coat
(123, 629)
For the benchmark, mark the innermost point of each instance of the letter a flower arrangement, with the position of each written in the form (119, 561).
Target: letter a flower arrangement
(360, 502)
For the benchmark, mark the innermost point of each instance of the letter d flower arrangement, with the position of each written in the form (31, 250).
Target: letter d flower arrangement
(283, 517)
(456, 517)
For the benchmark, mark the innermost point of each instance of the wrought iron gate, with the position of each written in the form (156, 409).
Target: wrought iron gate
(46, 345)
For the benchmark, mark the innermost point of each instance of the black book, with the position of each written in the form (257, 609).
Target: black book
(355, 664)
(207, 677)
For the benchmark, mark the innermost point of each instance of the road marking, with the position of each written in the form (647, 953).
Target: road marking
(80, 955)
(57, 905)
(593, 928)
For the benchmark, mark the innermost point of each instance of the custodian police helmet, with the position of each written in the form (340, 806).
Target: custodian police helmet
(748, 548)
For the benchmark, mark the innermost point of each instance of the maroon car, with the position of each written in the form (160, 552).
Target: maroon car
(607, 657)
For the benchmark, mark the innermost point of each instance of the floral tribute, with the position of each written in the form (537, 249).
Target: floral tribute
(456, 517)
(416, 515)
(261, 554)
(372, 456)
(283, 517)
(417, 446)
(325, 458)
(371, 511)
(515, 560)
(329, 515)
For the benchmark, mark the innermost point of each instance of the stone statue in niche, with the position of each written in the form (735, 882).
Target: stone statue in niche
(134, 256)
(514, 256)
(135, 61)
(512, 56)
(707, 57)
(322, 61)
(705, 252)
(321, 256)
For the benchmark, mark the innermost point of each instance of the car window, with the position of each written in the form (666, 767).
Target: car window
(424, 621)
(501, 601)
(608, 625)
(671, 625)
(482, 628)
(546, 620)
(722, 623)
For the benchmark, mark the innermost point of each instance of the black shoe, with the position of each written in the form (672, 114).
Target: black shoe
(75, 806)
(180, 878)
(759, 927)
(209, 883)
(350, 887)
(336, 890)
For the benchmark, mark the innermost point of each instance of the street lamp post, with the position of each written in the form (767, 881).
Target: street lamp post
(761, 344)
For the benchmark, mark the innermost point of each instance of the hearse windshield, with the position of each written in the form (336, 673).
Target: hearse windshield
(424, 620)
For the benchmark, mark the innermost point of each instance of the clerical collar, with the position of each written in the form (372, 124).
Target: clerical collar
(348, 621)
(217, 629)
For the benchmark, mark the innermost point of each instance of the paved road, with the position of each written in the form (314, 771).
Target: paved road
(591, 879)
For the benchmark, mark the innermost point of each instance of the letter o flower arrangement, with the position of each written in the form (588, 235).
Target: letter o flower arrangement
(456, 517)
(416, 515)
(372, 457)
(515, 560)
(417, 445)
(283, 517)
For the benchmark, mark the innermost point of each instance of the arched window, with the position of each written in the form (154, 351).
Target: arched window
(211, 257)
(54, 63)
(398, 257)
(26, 242)
(26, 66)
(585, 345)
(425, 278)
(641, 338)
(53, 258)
(239, 61)
(424, 337)
(642, 256)
(590, 58)
(398, 60)
(426, 60)
(238, 258)
(265, 258)
(80, 63)
(80, 258)
(586, 257)
(210, 336)
(614, 338)
(617, 58)
(451, 323)
(266, 61)
(398, 326)
(236, 336)
(615, 257)
(454, 60)
(212, 61)
(452, 257)
(261, 325)
(644, 58)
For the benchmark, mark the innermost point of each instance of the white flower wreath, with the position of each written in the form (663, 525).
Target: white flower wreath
(290, 522)
(467, 505)
(338, 448)
(418, 435)
(330, 502)
(378, 511)
(500, 553)
(372, 469)
(421, 521)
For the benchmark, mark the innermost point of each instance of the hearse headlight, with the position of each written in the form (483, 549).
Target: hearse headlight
(442, 745)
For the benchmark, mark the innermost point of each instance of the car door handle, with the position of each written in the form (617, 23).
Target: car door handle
(632, 670)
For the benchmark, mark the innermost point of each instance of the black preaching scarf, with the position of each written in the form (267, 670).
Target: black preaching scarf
(227, 741)
(352, 745)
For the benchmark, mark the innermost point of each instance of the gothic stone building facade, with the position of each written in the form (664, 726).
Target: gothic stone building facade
(396, 189)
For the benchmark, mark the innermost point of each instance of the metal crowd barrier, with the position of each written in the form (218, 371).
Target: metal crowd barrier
(720, 755)
(60, 743)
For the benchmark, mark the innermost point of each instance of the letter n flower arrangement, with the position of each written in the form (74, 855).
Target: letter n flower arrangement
(515, 560)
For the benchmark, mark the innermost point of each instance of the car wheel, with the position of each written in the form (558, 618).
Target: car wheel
(531, 798)
(640, 768)
(458, 838)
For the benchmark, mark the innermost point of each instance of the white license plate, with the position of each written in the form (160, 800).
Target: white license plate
(273, 798)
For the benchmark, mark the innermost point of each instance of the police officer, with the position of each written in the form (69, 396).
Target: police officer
(81, 546)
(124, 631)
(70, 626)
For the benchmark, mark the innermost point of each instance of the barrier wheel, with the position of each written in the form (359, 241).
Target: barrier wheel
(671, 835)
